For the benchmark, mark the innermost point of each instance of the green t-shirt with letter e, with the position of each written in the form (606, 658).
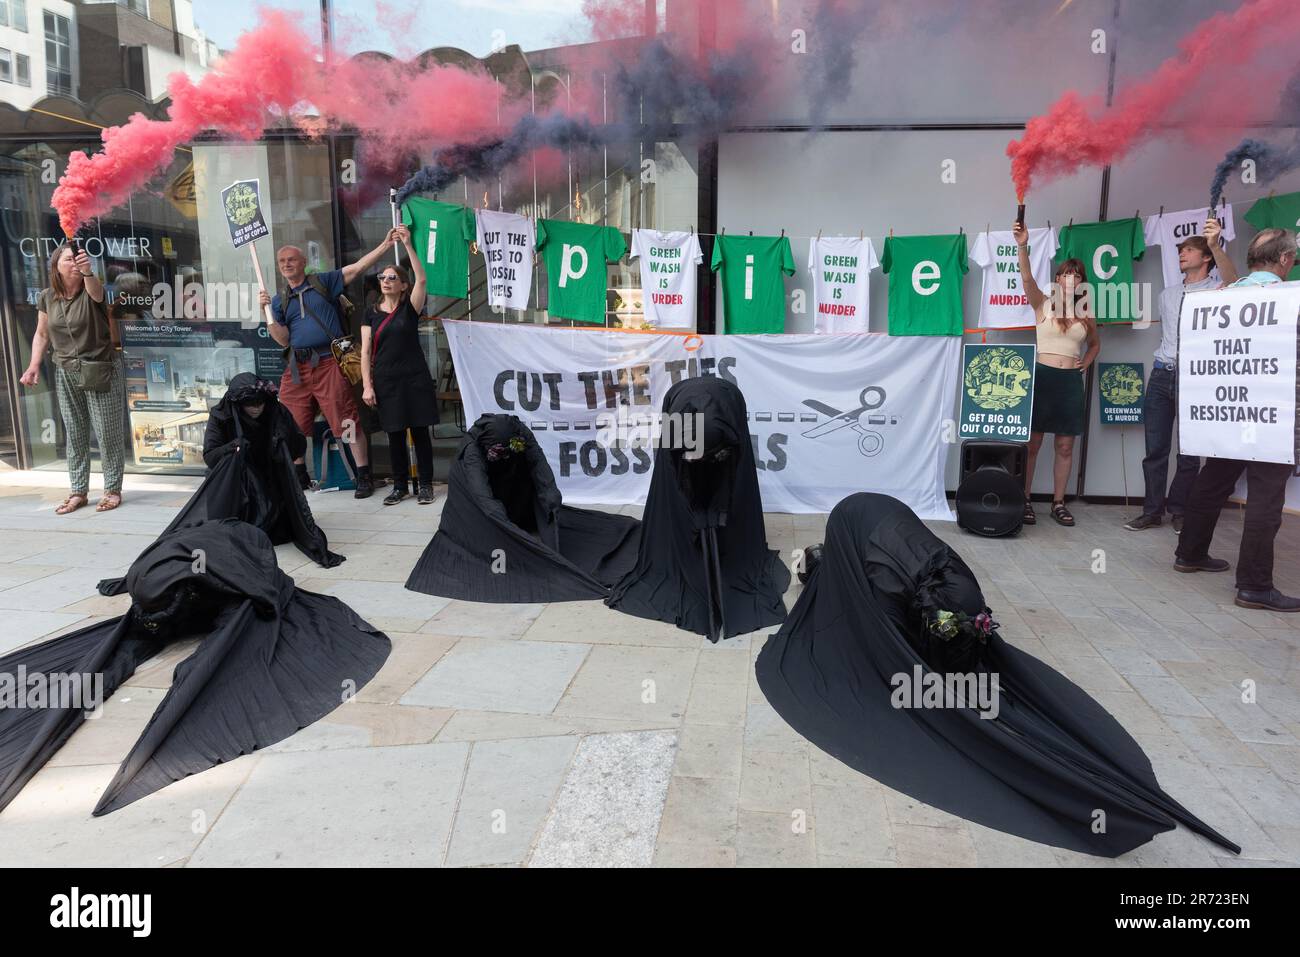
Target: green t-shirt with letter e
(1278, 212)
(753, 290)
(441, 233)
(1108, 251)
(925, 282)
(575, 255)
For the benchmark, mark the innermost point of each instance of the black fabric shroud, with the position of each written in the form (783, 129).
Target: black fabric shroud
(270, 660)
(257, 484)
(505, 534)
(1041, 769)
(703, 563)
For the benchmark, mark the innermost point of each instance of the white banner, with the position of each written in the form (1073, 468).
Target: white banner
(829, 415)
(1237, 373)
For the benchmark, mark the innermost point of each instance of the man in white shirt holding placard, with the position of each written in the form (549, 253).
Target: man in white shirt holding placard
(1271, 256)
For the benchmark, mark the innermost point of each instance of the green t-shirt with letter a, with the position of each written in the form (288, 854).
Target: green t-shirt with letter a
(925, 282)
(753, 287)
(575, 255)
(441, 234)
(1108, 251)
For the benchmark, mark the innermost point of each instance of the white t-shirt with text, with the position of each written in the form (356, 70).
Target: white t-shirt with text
(668, 272)
(506, 241)
(1003, 303)
(1167, 230)
(841, 268)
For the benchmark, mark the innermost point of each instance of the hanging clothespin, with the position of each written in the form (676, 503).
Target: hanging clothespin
(1049, 224)
(961, 230)
(1071, 223)
(1161, 214)
(692, 229)
(1137, 214)
(751, 232)
(988, 229)
(783, 232)
(819, 234)
(860, 235)
(724, 231)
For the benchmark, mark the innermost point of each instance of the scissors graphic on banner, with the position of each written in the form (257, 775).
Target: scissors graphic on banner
(861, 420)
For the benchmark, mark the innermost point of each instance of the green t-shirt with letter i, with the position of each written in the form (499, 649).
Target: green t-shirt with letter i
(575, 255)
(753, 287)
(925, 283)
(1108, 251)
(441, 234)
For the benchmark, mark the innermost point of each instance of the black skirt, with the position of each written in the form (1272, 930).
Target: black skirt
(404, 388)
(1058, 400)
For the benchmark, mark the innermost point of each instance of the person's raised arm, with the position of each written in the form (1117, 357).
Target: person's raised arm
(40, 342)
(1214, 236)
(362, 265)
(419, 288)
(1032, 292)
(93, 285)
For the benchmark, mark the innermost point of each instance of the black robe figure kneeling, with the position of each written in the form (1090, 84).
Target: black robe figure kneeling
(704, 564)
(271, 659)
(505, 534)
(249, 447)
(889, 614)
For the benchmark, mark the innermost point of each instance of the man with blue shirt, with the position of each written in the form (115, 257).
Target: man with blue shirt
(306, 322)
(1197, 255)
(1271, 256)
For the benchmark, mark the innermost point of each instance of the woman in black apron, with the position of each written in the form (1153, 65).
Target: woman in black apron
(396, 377)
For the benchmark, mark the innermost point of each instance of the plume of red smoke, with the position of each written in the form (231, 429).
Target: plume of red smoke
(275, 71)
(1214, 80)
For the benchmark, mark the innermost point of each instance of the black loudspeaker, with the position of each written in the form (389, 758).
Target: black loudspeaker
(991, 493)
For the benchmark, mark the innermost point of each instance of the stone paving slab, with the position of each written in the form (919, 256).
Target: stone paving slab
(576, 723)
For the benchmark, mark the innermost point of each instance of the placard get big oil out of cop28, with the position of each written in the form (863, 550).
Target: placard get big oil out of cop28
(997, 395)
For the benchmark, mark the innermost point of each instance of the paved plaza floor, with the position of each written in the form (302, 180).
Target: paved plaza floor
(568, 734)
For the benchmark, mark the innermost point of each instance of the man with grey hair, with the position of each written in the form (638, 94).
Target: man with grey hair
(1271, 256)
(307, 320)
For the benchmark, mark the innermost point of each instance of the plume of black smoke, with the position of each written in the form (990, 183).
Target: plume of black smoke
(838, 27)
(1271, 160)
(660, 96)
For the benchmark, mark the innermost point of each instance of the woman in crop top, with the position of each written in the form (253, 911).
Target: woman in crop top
(1067, 345)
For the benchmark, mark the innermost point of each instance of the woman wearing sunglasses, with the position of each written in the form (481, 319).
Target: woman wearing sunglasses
(395, 378)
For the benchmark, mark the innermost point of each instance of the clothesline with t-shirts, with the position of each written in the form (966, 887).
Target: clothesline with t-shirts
(926, 273)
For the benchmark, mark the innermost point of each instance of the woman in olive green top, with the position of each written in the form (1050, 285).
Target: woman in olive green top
(73, 318)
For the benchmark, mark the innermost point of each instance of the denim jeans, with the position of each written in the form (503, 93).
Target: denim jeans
(1159, 412)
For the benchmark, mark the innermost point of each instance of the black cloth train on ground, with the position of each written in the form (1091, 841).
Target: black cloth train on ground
(257, 483)
(506, 535)
(704, 564)
(1042, 768)
(271, 659)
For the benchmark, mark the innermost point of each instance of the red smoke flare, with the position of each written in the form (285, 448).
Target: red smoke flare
(1220, 75)
(275, 71)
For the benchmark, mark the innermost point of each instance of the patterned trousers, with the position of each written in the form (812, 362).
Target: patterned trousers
(105, 412)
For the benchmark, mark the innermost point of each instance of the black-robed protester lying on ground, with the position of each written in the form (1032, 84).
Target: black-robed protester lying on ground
(703, 562)
(270, 659)
(890, 606)
(505, 534)
(251, 475)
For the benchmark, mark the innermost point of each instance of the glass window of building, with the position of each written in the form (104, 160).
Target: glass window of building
(23, 65)
(13, 13)
(58, 55)
(6, 66)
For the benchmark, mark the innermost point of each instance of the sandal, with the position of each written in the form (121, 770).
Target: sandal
(1028, 518)
(110, 501)
(68, 507)
(1062, 514)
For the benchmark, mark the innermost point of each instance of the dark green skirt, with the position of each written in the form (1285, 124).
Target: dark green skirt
(1058, 400)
